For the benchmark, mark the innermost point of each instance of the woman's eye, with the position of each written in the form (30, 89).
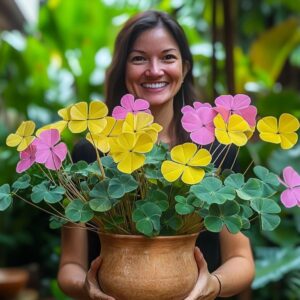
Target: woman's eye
(138, 59)
(169, 57)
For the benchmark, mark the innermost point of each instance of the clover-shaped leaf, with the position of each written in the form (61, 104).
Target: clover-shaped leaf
(56, 222)
(153, 172)
(45, 191)
(211, 190)
(158, 197)
(224, 214)
(147, 218)
(174, 222)
(22, 183)
(253, 188)
(115, 188)
(184, 205)
(78, 211)
(5, 197)
(157, 154)
(266, 176)
(267, 210)
(235, 181)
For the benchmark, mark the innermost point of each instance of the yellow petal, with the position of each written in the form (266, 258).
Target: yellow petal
(222, 136)
(192, 175)
(26, 128)
(288, 140)
(97, 110)
(13, 140)
(171, 170)
(64, 113)
(79, 111)
(77, 126)
(270, 137)
(237, 123)
(156, 127)
(238, 138)
(96, 126)
(117, 129)
(143, 143)
(288, 123)
(153, 134)
(142, 120)
(59, 125)
(99, 141)
(201, 158)
(128, 124)
(110, 123)
(126, 141)
(183, 153)
(26, 141)
(267, 124)
(219, 122)
(131, 162)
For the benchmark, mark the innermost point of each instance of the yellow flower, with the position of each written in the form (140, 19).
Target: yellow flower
(235, 131)
(92, 117)
(128, 149)
(282, 132)
(186, 162)
(23, 136)
(141, 122)
(101, 140)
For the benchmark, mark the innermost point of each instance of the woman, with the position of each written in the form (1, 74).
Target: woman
(152, 61)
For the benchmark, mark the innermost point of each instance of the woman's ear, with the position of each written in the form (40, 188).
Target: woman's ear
(185, 68)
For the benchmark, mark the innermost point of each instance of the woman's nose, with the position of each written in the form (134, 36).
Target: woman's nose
(154, 69)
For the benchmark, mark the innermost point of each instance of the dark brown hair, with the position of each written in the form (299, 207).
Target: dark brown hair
(115, 86)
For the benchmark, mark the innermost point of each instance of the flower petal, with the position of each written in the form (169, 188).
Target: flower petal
(171, 170)
(192, 175)
(183, 153)
(288, 123)
(200, 159)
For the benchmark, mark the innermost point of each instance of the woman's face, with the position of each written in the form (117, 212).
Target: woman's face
(154, 68)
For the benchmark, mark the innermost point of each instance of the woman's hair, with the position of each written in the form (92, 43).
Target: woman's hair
(115, 86)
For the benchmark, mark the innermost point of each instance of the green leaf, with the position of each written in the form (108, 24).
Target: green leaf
(213, 224)
(253, 188)
(184, 205)
(174, 222)
(233, 224)
(115, 188)
(5, 197)
(50, 194)
(56, 222)
(100, 204)
(266, 176)
(78, 211)
(157, 154)
(235, 181)
(22, 183)
(269, 221)
(129, 183)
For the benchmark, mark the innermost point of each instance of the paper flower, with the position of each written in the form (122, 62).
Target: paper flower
(232, 132)
(23, 136)
(186, 163)
(141, 123)
(291, 180)
(226, 105)
(199, 122)
(196, 106)
(282, 132)
(27, 158)
(128, 104)
(112, 129)
(127, 150)
(91, 117)
(48, 151)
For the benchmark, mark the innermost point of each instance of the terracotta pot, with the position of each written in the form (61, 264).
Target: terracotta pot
(139, 268)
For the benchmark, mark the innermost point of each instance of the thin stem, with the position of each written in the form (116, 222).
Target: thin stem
(251, 163)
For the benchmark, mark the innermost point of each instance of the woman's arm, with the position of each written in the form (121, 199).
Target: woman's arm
(235, 274)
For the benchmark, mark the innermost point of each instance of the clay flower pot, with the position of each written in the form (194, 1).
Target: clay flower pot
(135, 267)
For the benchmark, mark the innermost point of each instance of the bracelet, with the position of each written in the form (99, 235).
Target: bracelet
(220, 284)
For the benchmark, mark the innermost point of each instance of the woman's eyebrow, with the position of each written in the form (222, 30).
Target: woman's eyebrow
(166, 50)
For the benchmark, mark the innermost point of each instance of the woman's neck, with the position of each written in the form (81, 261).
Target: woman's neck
(164, 116)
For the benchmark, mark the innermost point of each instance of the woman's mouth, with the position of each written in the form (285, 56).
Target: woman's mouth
(154, 85)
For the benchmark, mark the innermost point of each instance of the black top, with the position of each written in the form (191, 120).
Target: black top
(208, 242)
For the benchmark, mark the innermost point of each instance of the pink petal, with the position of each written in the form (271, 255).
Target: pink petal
(191, 121)
(249, 114)
(49, 137)
(187, 108)
(240, 101)
(203, 136)
(53, 162)
(223, 111)
(41, 156)
(61, 151)
(24, 164)
(291, 177)
(225, 101)
(198, 105)
(140, 104)
(290, 197)
(206, 114)
(120, 113)
(127, 101)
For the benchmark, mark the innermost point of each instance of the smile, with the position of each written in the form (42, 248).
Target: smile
(156, 85)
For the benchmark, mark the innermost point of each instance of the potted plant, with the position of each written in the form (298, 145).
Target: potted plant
(141, 197)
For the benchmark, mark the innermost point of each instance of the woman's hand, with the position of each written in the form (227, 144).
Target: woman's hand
(91, 282)
(207, 285)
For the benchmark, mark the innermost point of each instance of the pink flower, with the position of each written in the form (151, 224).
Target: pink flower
(128, 104)
(196, 105)
(27, 158)
(291, 180)
(199, 122)
(48, 152)
(239, 104)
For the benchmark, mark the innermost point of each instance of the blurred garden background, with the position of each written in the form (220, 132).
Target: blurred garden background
(55, 52)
